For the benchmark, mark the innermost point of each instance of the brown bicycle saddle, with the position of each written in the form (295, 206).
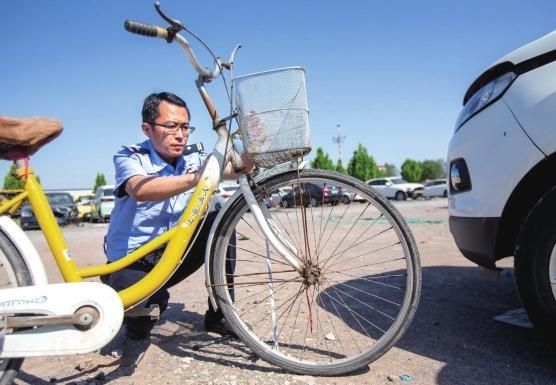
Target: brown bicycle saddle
(21, 137)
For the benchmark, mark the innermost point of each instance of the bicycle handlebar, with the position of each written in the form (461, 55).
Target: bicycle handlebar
(145, 29)
(170, 34)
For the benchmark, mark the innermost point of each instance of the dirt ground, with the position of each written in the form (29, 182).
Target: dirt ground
(453, 339)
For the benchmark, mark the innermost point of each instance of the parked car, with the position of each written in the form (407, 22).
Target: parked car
(84, 206)
(314, 195)
(348, 196)
(224, 191)
(103, 203)
(396, 187)
(62, 205)
(436, 188)
(275, 198)
(502, 184)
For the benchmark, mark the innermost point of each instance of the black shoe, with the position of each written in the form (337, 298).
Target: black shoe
(216, 323)
(138, 328)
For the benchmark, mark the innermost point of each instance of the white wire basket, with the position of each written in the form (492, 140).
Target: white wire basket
(273, 115)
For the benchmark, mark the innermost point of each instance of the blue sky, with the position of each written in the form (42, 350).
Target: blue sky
(392, 74)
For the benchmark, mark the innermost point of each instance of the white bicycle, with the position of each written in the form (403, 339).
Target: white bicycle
(317, 287)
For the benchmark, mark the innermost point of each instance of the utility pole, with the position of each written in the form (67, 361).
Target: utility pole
(338, 139)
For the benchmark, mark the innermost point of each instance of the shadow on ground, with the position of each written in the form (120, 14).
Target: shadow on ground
(454, 325)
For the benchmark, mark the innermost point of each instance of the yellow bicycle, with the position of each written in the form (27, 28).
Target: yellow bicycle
(322, 285)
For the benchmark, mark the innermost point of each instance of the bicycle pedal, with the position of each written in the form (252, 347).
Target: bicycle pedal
(152, 311)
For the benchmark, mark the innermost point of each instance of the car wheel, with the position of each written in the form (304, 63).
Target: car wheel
(313, 202)
(346, 200)
(285, 204)
(400, 196)
(445, 195)
(535, 265)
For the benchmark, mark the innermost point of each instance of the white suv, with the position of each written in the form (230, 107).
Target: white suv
(502, 174)
(396, 187)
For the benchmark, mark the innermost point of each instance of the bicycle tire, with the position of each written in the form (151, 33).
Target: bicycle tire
(13, 273)
(325, 346)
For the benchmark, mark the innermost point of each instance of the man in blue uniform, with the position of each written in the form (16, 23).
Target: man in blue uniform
(154, 181)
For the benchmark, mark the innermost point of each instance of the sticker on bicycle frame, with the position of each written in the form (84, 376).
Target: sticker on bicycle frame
(16, 302)
(208, 183)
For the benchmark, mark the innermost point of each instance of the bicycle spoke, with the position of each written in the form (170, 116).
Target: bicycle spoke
(257, 293)
(290, 236)
(357, 244)
(352, 287)
(361, 302)
(281, 314)
(279, 307)
(319, 324)
(260, 255)
(336, 334)
(367, 253)
(333, 230)
(369, 294)
(347, 234)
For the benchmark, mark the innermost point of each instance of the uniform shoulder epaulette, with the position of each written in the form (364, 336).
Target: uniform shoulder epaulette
(135, 149)
(193, 148)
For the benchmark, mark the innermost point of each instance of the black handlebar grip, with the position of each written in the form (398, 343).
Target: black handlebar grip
(144, 29)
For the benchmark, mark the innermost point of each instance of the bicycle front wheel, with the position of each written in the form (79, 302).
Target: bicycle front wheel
(360, 283)
(13, 273)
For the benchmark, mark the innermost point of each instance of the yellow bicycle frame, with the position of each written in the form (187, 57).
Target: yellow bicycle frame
(176, 238)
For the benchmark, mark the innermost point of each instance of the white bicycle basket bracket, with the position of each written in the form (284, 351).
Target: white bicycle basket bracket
(273, 115)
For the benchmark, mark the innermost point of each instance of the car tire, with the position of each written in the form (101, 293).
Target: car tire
(400, 196)
(313, 202)
(445, 194)
(346, 200)
(285, 204)
(535, 265)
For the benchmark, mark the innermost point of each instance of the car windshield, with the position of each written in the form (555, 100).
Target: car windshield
(59, 198)
(398, 181)
(85, 198)
(108, 192)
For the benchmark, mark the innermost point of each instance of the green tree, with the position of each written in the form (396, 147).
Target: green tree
(340, 167)
(411, 170)
(10, 181)
(362, 165)
(100, 180)
(322, 161)
(390, 170)
(431, 169)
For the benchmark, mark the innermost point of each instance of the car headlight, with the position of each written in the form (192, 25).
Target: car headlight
(26, 214)
(487, 95)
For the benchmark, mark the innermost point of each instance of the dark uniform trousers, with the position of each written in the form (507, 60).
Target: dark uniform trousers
(194, 259)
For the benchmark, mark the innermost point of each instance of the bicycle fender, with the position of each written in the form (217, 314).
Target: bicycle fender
(60, 299)
(209, 250)
(25, 248)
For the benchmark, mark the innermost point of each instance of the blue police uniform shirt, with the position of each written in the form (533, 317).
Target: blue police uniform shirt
(133, 223)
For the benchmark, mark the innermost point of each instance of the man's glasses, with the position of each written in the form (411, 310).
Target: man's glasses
(173, 127)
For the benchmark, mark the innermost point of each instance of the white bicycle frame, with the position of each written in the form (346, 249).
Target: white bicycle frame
(289, 253)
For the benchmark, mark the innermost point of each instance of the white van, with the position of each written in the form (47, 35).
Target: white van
(103, 203)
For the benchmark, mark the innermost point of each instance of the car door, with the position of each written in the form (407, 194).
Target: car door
(380, 186)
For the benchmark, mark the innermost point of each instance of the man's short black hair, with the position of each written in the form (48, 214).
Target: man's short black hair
(152, 102)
